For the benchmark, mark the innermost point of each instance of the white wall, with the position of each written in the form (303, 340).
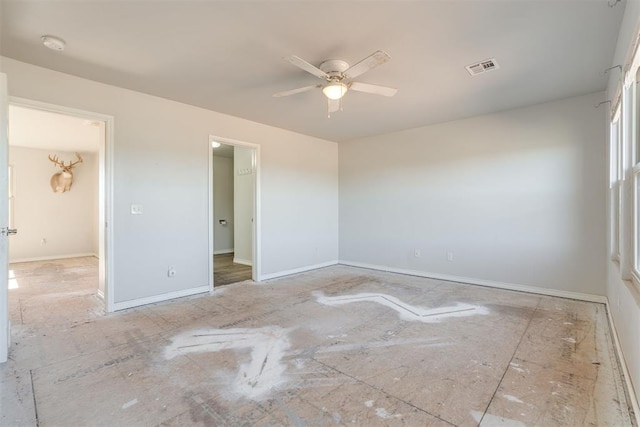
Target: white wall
(161, 158)
(517, 196)
(65, 221)
(243, 172)
(624, 300)
(223, 204)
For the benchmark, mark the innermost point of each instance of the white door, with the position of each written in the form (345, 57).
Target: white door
(4, 243)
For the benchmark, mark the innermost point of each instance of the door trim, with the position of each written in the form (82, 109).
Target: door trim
(256, 229)
(5, 323)
(105, 186)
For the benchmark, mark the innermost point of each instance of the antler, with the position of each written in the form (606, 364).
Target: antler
(55, 160)
(71, 164)
(76, 162)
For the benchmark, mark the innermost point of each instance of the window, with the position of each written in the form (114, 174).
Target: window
(635, 163)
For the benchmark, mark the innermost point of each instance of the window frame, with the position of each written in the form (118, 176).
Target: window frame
(615, 186)
(635, 183)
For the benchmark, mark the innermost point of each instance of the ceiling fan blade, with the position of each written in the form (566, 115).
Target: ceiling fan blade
(374, 89)
(376, 58)
(304, 65)
(294, 91)
(334, 105)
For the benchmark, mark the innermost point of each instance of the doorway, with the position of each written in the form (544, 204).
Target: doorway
(60, 231)
(233, 211)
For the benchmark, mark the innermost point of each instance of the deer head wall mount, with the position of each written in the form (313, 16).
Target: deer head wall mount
(61, 181)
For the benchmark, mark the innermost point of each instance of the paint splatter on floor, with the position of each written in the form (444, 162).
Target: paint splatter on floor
(129, 403)
(264, 372)
(382, 413)
(406, 311)
(511, 398)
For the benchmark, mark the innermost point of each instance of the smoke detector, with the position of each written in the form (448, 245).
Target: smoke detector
(53, 43)
(482, 67)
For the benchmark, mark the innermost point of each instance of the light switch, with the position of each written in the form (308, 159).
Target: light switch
(136, 209)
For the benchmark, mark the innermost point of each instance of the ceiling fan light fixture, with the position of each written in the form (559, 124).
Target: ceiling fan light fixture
(335, 90)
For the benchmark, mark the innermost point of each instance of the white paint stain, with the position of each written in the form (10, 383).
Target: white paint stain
(382, 413)
(406, 311)
(265, 370)
(493, 421)
(511, 398)
(570, 340)
(129, 404)
(568, 323)
(336, 418)
(516, 367)
(369, 403)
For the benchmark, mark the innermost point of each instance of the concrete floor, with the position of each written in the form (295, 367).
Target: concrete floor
(336, 346)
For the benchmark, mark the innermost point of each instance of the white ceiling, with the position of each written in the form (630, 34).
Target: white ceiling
(227, 55)
(50, 131)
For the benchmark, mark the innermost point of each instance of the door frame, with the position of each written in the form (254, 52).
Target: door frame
(105, 188)
(5, 324)
(256, 228)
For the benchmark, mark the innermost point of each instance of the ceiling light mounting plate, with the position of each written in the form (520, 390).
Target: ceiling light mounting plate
(53, 43)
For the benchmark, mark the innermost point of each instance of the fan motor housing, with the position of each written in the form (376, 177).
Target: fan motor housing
(334, 67)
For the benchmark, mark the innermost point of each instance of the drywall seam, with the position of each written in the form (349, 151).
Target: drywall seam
(159, 298)
(625, 370)
(488, 283)
(52, 257)
(297, 270)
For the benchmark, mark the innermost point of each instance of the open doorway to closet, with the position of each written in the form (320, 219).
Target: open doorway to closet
(233, 206)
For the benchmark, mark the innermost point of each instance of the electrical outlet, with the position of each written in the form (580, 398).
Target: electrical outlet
(136, 209)
(171, 272)
(417, 253)
(449, 256)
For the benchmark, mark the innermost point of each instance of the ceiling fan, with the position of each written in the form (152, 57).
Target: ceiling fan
(339, 78)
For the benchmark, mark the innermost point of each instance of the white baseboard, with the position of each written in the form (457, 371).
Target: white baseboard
(159, 298)
(488, 283)
(296, 270)
(52, 257)
(223, 251)
(625, 370)
(242, 261)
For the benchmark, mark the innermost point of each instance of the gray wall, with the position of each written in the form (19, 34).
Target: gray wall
(243, 205)
(52, 225)
(517, 197)
(223, 204)
(161, 161)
